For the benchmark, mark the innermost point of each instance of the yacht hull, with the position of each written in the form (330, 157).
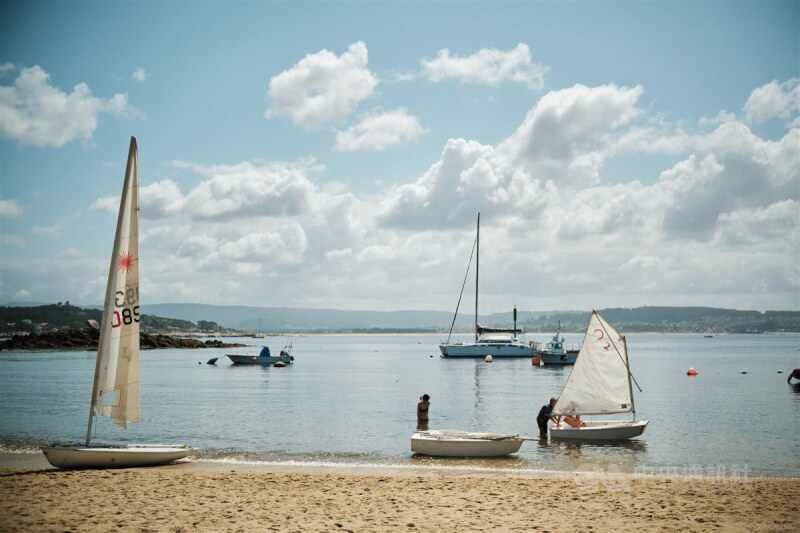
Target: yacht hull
(482, 350)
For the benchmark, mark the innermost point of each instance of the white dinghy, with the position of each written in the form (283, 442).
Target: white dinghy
(452, 443)
(599, 384)
(115, 392)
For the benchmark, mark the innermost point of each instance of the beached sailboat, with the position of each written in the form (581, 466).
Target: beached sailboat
(497, 342)
(115, 392)
(453, 443)
(600, 384)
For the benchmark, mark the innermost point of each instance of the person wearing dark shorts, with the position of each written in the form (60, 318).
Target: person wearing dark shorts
(545, 415)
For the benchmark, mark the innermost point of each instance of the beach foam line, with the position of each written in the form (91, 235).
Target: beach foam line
(414, 469)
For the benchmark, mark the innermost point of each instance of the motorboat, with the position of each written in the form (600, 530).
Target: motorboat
(453, 443)
(264, 357)
(555, 352)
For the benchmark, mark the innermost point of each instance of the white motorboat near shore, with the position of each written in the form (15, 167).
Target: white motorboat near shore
(453, 443)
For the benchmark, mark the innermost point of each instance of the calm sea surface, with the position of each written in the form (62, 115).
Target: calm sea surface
(351, 401)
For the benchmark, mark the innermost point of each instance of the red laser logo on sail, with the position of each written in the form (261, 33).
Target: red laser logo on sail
(125, 262)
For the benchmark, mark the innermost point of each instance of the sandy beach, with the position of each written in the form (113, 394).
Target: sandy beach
(228, 497)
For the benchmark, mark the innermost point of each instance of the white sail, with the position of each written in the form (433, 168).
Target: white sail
(115, 392)
(116, 382)
(600, 380)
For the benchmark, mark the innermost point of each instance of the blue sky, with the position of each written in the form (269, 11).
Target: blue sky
(335, 154)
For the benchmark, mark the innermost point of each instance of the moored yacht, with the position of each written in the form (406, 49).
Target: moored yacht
(489, 341)
(497, 342)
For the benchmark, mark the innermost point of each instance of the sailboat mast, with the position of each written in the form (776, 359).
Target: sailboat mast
(477, 267)
(628, 369)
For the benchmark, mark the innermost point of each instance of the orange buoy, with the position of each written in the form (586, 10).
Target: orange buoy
(691, 372)
(536, 361)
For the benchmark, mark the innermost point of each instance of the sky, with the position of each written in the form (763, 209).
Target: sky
(337, 154)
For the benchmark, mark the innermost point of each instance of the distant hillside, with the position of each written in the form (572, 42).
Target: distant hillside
(279, 319)
(677, 320)
(201, 317)
(664, 319)
(16, 319)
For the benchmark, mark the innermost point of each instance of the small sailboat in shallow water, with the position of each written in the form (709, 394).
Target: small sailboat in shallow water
(599, 384)
(115, 392)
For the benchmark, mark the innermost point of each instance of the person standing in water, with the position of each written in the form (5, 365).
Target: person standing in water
(422, 412)
(545, 415)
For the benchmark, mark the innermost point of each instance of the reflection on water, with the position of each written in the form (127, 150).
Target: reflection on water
(610, 457)
(512, 462)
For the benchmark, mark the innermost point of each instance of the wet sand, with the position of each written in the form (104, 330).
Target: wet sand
(230, 497)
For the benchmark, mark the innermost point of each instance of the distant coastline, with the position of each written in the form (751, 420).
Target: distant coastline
(86, 340)
(258, 322)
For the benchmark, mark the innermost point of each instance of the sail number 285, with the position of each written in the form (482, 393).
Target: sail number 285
(128, 300)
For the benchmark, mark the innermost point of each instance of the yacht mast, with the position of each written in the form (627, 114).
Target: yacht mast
(477, 266)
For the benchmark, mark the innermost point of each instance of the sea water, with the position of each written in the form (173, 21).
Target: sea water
(350, 400)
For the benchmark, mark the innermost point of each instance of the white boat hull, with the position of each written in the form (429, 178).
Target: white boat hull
(482, 350)
(114, 457)
(464, 444)
(614, 430)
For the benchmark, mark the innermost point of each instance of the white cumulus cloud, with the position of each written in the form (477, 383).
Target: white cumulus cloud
(773, 100)
(140, 74)
(322, 88)
(487, 66)
(378, 131)
(161, 199)
(569, 132)
(10, 208)
(248, 189)
(106, 204)
(33, 111)
(763, 224)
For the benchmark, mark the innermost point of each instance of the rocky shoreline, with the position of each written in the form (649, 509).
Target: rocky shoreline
(86, 340)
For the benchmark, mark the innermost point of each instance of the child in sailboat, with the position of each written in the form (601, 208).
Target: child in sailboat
(574, 421)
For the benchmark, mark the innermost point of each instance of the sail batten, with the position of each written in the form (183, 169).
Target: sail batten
(117, 368)
(600, 379)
